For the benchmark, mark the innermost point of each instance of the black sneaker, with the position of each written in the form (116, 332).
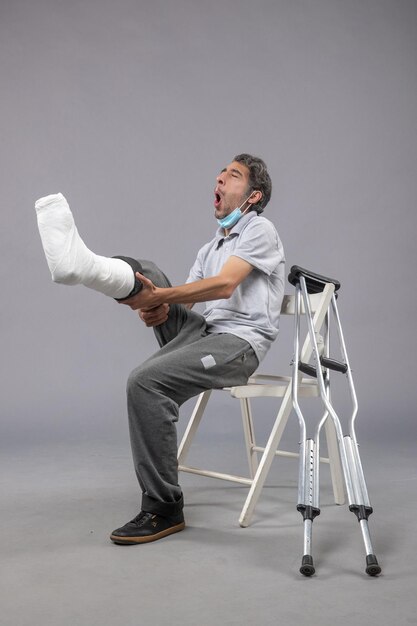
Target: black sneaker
(147, 527)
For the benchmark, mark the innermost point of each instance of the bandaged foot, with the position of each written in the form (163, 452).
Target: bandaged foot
(72, 263)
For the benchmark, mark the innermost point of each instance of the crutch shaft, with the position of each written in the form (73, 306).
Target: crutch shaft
(307, 564)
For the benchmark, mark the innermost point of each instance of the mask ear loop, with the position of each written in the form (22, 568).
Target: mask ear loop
(248, 207)
(256, 204)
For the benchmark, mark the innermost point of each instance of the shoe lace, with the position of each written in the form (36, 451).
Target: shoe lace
(142, 518)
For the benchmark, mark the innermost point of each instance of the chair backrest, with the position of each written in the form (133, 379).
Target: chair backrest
(319, 304)
(288, 304)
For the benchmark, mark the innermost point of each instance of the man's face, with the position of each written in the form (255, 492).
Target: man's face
(231, 190)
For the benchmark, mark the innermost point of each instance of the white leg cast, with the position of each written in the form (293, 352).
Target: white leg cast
(70, 261)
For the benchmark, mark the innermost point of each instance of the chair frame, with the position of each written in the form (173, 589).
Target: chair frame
(266, 385)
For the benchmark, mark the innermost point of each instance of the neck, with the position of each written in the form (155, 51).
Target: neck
(227, 231)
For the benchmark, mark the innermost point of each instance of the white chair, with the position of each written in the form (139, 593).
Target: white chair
(273, 386)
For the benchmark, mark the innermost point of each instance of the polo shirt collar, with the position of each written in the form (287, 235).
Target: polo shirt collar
(236, 230)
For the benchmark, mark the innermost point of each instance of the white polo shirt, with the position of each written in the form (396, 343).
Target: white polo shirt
(252, 311)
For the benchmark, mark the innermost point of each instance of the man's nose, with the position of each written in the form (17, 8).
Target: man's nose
(220, 178)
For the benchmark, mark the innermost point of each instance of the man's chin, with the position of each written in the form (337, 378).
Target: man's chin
(219, 214)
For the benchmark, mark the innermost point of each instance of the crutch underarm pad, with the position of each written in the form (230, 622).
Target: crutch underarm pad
(315, 282)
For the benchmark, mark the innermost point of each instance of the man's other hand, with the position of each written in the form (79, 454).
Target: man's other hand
(154, 316)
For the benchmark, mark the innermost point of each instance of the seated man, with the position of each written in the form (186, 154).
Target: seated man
(240, 276)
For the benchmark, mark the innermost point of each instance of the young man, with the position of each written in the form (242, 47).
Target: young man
(240, 276)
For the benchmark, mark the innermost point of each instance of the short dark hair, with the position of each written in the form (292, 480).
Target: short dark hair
(259, 178)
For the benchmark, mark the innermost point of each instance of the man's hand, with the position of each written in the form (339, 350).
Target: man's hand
(148, 297)
(154, 316)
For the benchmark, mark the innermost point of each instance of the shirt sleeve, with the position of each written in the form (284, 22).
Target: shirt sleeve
(196, 272)
(260, 246)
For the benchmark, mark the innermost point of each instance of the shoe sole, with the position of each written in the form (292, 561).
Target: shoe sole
(149, 538)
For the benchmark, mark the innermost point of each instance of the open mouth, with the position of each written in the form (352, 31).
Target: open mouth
(217, 199)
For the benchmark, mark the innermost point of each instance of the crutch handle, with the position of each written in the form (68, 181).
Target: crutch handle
(332, 364)
(326, 362)
(308, 369)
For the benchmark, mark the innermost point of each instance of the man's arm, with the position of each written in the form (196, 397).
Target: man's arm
(219, 287)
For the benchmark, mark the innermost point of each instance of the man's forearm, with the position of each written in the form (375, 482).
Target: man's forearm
(219, 287)
(214, 288)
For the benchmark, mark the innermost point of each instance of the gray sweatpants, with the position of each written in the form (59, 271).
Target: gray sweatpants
(189, 361)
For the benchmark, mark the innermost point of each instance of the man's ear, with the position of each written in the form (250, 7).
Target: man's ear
(255, 197)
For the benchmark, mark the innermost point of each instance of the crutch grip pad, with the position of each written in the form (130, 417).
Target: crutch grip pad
(332, 364)
(308, 369)
(307, 567)
(372, 567)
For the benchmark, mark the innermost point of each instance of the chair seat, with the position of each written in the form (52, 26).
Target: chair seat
(275, 389)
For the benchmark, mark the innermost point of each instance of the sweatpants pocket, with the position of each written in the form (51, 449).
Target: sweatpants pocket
(239, 354)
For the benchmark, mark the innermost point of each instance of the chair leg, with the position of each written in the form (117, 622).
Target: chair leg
(336, 471)
(249, 433)
(266, 459)
(192, 426)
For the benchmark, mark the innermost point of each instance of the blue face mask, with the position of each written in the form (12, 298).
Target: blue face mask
(230, 220)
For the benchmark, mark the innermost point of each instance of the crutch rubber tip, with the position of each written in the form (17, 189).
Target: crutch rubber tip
(307, 567)
(372, 567)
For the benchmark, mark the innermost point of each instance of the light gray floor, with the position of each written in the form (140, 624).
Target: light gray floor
(59, 503)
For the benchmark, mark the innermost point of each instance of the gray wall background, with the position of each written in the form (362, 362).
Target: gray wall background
(130, 108)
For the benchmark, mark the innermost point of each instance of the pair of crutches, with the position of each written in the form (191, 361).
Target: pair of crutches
(307, 282)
